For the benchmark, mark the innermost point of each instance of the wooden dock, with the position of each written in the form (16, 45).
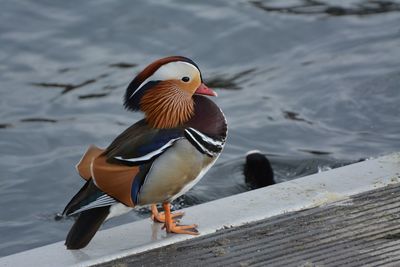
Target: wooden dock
(363, 230)
(347, 216)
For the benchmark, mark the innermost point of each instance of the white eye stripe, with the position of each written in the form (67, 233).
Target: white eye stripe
(170, 71)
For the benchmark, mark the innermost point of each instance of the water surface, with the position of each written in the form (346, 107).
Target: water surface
(312, 84)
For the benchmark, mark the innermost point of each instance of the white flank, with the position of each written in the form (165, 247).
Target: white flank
(196, 180)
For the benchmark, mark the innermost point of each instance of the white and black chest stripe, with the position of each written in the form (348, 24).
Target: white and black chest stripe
(205, 144)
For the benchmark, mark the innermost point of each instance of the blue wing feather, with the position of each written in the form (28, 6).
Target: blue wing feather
(140, 143)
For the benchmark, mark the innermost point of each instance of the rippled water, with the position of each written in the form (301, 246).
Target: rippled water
(312, 84)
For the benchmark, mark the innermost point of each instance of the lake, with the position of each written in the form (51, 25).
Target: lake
(313, 84)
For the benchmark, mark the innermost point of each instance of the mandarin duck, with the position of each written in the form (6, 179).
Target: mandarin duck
(155, 160)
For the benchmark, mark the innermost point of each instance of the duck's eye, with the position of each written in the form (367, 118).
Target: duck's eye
(185, 79)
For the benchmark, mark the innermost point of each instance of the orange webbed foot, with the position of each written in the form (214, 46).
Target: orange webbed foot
(157, 216)
(172, 227)
(182, 229)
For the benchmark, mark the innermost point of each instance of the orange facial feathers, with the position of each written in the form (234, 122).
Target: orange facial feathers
(163, 70)
(166, 105)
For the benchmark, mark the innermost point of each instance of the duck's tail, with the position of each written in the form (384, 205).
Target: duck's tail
(85, 227)
(93, 207)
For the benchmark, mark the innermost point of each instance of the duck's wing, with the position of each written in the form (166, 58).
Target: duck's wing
(120, 170)
(106, 182)
(88, 197)
(93, 207)
(140, 144)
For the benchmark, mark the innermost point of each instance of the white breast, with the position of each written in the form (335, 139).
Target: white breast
(174, 173)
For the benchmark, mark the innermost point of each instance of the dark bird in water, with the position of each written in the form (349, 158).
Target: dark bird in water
(155, 160)
(257, 170)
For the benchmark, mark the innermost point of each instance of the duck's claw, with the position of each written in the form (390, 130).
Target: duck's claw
(182, 229)
(157, 216)
(172, 227)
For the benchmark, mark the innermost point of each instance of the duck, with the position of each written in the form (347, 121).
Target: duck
(158, 158)
(257, 170)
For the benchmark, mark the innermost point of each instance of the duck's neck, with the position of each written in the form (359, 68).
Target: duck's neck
(167, 106)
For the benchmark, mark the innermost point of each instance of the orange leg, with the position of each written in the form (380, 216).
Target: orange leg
(172, 227)
(160, 216)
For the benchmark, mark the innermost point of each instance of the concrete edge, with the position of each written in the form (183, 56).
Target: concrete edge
(307, 192)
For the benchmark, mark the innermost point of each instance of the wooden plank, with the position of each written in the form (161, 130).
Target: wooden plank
(363, 230)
